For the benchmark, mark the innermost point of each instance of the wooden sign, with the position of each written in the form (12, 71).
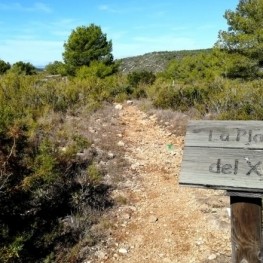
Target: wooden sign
(224, 155)
(229, 155)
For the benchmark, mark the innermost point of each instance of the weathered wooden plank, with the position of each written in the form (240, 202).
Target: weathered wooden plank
(246, 229)
(229, 155)
(225, 134)
(244, 194)
(223, 168)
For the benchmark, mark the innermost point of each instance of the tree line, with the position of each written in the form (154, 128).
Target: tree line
(236, 54)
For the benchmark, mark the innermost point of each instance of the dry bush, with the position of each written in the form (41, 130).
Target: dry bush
(174, 121)
(104, 130)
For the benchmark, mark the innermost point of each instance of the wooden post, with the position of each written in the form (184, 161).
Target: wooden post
(246, 217)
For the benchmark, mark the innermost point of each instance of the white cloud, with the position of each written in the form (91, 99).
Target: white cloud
(42, 7)
(119, 9)
(36, 7)
(107, 8)
(103, 7)
(63, 27)
(59, 29)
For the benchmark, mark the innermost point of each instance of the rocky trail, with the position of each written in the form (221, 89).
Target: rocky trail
(162, 221)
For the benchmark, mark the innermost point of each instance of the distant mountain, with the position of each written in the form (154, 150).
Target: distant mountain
(155, 61)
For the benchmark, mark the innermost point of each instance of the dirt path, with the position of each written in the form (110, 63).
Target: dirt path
(165, 222)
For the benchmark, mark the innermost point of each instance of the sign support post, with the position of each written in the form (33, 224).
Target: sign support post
(228, 155)
(246, 229)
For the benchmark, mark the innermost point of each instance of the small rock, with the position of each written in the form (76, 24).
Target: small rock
(120, 143)
(134, 166)
(153, 219)
(63, 149)
(133, 208)
(123, 250)
(173, 153)
(167, 240)
(102, 163)
(91, 130)
(111, 155)
(199, 242)
(129, 102)
(118, 107)
(126, 216)
(167, 260)
(80, 154)
(100, 254)
(153, 117)
(212, 257)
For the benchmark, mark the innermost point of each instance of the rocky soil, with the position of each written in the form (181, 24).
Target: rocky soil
(158, 220)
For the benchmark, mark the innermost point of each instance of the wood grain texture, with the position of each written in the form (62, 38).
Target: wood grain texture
(244, 194)
(224, 155)
(225, 134)
(246, 229)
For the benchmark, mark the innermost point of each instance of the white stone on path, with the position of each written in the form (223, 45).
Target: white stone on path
(212, 257)
(121, 143)
(123, 250)
(118, 107)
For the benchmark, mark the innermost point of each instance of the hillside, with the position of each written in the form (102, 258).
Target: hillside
(154, 61)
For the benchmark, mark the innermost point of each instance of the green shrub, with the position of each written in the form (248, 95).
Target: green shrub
(196, 67)
(165, 97)
(238, 101)
(56, 68)
(40, 167)
(4, 67)
(23, 68)
(141, 77)
(181, 97)
(96, 69)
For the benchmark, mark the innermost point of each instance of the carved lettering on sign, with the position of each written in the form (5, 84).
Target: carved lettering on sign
(239, 135)
(227, 168)
(224, 155)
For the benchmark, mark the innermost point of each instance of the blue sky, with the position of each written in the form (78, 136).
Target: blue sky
(35, 31)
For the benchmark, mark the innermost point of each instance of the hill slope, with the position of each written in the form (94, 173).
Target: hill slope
(154, 61)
